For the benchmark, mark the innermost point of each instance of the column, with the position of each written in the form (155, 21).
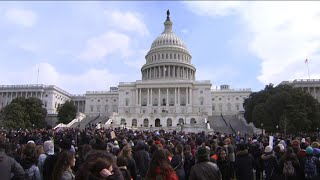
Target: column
(190, 91)
(159, 100)
(164, 71)
(187, 95)
(154, 72)
(174, 73)
(137, 102)
(151, 98)
(159, 72)
(6, 99)
(78, 104)
(178, 74)
(40, 95)
(175, 96)
(148, 98)
(169, 72)
(179, 96)
(140, 96)
(167, 97)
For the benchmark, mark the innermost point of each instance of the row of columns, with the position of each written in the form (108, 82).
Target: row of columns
(169, 72)
(80, 106)
(19, 94)
(177, 96)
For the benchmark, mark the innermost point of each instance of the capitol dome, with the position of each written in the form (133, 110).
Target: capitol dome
(168, 57)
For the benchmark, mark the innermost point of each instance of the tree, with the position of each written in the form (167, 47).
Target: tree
(292, 109)
(67, 112)
(24, 113)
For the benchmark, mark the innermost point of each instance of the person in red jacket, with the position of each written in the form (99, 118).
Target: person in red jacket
(160, 167)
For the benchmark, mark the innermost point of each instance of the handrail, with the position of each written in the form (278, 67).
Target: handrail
(92, 121)
(224, 120)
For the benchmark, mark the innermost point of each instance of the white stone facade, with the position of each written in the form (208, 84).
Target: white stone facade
(52, 97)
(309, 85)
(167, 95)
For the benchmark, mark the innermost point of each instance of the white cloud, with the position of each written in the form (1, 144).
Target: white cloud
(185, 31)
(92, 79)
(21, 17)
(284, 34)
(139, 59)
(127, 21)
(99, 47)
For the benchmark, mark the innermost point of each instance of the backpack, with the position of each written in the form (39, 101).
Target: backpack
(288, 169)
(310, 168)
(30, 173)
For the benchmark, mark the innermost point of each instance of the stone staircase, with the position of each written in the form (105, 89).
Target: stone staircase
(238, 125)
(219, 125)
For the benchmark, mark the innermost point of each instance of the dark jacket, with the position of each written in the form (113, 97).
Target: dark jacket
(270, 166)
(177, 164)
(188, 163)
(225, 168)
(244, 165)
(205, 171)
(295, 162)
(8, 165)
(141, 156)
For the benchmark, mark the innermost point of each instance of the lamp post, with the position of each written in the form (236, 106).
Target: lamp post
(262, 127)
(277, 127)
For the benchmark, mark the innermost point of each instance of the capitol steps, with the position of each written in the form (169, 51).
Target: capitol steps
(219, 125)
(238, 125)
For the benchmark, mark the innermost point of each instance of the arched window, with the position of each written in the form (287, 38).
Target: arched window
(123, 122)
(127, 102)
(229, 106)
(134, 122)
(169, 122)
(181, 121)
(193, 121)
(146, 122)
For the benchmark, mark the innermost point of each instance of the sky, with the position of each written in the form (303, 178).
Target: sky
(84, 46)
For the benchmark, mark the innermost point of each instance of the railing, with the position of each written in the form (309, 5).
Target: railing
(97, 92)
(224, 120)
(90, 122)
(23, 86)
(306, 80)
(233, 89)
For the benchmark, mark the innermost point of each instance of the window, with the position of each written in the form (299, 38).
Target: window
(201, 91)
(237, 98)
(213, 107)
(146, 123)
(127, 102)
(228, 99)
(212, 99)
(107, 100)
(27, 95)
(175, 56)
(178, 56)
(114, 100)
(167, 56)
(98, 108)
(91, 108)
(45, 104)
(170, 56)
(169, 122)
(229, 107)
(237, 106)
(98, 100)
(91, 100)
(162, 56)
(123, 122)
(134, 123)
(219, 99)
(127, 93)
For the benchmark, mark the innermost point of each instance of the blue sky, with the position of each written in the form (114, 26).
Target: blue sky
(83, 46)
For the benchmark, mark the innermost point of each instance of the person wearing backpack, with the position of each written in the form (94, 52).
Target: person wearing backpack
(270, 164)
(289, 165)
(310, 166)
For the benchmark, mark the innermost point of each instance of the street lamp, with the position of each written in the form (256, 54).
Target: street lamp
(277, 127)
(262, 127)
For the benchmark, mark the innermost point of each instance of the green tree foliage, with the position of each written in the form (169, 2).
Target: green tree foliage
(67, 112)
(292, 109)
(24, 113)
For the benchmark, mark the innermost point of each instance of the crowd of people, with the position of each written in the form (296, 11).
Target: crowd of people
(124, 154)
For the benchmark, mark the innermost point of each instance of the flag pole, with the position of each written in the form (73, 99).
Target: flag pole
(38, 76)
(308, 68)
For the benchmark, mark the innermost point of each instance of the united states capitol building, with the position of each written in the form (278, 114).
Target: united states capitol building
(168, 95)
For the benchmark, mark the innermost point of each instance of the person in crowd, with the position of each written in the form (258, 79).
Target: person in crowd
(160, 167)
(48, 147)
(29, 163)
(289, 165)
(224, 165)
(63, 167)
(122, 163)
(311, 165)
(204, 169)
(189, 161)
(270, 164)
(244, 164)
(177, 162)
(126, 153)
(142, 159)
(99, 165)
(9, 166)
